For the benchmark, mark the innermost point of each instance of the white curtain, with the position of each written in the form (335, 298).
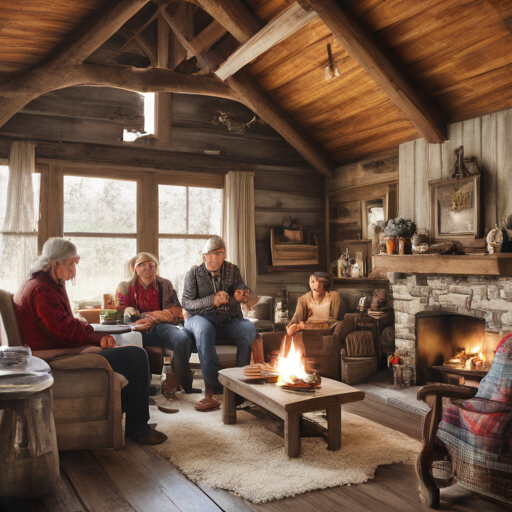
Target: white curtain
(20, 223)
(238, 223)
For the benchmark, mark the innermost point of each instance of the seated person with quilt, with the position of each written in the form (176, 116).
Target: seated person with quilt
(153, 300)
(47, 321)
(213, 310)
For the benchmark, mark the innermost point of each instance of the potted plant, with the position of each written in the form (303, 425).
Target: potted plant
(399, 232)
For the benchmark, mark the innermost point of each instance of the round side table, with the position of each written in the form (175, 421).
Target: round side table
(29, 459)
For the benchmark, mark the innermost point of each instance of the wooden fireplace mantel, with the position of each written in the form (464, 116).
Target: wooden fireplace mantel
(468, 264)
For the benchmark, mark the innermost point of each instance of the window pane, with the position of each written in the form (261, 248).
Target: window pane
(98, 205)
(176, 258)
(205, 206)
(172, 207)
(101, 267)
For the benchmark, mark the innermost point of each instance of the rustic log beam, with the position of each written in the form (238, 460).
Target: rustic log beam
(234, 16)
(20, 90)
(131, 155)
(206, 38)
(384, 68)
(96, 30)
(286, 24)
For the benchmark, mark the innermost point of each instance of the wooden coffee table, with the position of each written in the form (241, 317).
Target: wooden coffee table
(289, 405)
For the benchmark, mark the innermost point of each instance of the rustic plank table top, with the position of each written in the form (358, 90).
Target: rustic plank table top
(289, 405)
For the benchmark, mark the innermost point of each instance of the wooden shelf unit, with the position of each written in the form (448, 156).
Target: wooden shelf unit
(465, 264)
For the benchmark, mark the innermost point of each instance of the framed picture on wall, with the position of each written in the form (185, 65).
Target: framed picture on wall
(455, 208)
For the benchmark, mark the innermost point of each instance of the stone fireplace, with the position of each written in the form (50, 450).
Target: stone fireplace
(487, 299)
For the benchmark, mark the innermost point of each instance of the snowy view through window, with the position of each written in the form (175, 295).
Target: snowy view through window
(185, 211)
(99, 206)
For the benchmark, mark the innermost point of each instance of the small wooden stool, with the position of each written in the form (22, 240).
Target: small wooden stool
(29, 460)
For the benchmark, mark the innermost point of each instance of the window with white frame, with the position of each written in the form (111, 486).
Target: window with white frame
(188, 216)
(12, 253)
(100, 218)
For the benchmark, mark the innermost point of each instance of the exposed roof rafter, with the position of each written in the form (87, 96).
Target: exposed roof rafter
(287, 23)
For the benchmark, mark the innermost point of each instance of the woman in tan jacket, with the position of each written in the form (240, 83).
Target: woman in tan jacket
(317, 309)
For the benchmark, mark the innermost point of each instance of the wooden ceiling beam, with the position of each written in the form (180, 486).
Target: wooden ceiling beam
(207, 38)
(96, 30)
(234, 16)
(20, 90)
(292, 19)
(384, 68)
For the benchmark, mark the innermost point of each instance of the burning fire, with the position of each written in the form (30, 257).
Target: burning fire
(290, 368)
(469, 359)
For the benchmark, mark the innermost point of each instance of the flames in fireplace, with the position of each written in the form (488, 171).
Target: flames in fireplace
(467, 359)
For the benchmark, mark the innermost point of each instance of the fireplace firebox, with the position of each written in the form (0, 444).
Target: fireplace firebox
(439, 336)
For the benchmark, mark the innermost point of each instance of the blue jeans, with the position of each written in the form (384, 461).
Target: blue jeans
(206, 329)
(180, 342)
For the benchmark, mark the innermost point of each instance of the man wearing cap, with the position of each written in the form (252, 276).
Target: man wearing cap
(153, 300)
(213, 311)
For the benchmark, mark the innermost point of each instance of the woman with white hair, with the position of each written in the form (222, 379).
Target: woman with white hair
(153, 300)
(47, 322)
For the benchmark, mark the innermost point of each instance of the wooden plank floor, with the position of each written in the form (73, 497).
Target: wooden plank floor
(136, 479)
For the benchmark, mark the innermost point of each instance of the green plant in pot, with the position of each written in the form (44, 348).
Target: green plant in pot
(402, 230)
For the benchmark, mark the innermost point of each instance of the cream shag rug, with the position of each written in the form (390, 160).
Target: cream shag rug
(249, 460)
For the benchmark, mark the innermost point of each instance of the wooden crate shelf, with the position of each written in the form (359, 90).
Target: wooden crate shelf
(466, 264)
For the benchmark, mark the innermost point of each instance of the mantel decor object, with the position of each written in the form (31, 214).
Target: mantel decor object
(455, 203)
(403, 229)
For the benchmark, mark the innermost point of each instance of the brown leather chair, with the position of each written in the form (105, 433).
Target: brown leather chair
(86, 391)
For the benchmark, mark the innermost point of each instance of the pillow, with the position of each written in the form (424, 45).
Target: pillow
(497, 384)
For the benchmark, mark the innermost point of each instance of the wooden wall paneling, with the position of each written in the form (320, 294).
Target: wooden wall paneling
(287, 202)
(435, 159)
(455, 139)
(406, 177)
(421, 195)
(147, 214)
(504, 164)
(382, 169)
(472, 138)
(100, 103)
(489, 169)
(36, 127)
(51, 204)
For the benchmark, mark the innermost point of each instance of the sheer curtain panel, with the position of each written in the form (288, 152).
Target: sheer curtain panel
(238, 223)
(20, 222)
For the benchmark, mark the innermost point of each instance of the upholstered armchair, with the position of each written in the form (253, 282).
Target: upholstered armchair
(468, 434)
(86, 391)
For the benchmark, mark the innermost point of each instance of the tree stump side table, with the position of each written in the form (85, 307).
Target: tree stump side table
(29, 459)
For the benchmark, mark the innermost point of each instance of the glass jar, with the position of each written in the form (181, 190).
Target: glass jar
(392, 245)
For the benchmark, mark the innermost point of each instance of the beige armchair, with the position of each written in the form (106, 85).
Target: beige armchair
(86, 391)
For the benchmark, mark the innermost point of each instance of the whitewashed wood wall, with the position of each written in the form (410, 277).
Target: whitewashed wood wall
(489, 138)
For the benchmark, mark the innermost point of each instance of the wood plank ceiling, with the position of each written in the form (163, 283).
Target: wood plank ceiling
(456, 55)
